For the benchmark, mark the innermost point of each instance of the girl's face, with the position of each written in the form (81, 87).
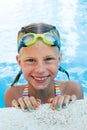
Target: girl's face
(39, 64)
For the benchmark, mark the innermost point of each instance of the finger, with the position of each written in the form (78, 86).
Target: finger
(50, 100)
(38, 101)
(53, 103)
(15, 104)
(66, 101)
(57, 102)
(28, 104)
(60, 100)
(72, 99)
(22, 104)
(34, 102)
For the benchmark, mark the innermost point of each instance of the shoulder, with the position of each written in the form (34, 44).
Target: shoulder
(13, 93)
(72, 87)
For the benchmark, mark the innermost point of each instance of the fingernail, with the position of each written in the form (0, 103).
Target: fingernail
(36, 106)
(38, 101)
(58, 107)
(25, 108)
(64, 105)
(53, 107)
(70, 100)
(17, 107)
(31, 108)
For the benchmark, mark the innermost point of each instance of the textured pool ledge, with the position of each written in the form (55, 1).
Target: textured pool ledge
(72, 118)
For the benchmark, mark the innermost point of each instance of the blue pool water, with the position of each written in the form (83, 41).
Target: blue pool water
(69, 16)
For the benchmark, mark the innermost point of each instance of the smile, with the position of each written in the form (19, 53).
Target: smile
(41, 78)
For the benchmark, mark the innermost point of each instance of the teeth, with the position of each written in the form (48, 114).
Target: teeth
(40, 78)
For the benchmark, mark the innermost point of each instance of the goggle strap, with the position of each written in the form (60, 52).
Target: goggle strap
(20, 47)
(64, 71)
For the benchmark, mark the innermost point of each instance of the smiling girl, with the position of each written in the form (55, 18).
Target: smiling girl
(39, 58)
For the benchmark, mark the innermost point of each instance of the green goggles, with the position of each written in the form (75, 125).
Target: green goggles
(31, 38)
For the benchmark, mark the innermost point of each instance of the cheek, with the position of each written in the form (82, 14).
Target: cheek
(54, 69)
(27, 70)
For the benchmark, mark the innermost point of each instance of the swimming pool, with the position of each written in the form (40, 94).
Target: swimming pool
(70, 18)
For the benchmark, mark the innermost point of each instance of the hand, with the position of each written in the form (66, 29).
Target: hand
(61, 101)
(26, 103)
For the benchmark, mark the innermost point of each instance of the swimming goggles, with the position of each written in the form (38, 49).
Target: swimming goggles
(31, 38)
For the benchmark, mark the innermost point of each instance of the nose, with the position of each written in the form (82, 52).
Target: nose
(40, 67)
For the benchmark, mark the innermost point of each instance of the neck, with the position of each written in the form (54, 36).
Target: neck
(44, 95)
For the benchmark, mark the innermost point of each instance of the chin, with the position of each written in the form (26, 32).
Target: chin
(40, 88)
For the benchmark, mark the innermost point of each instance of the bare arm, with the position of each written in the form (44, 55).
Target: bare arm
(11, 94)
(73, 88)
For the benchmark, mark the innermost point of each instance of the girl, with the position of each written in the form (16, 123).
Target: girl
(39, 58)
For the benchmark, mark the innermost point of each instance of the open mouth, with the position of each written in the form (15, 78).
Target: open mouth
(40, 79)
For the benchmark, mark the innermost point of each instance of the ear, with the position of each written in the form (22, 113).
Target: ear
(59, 58)
(18, 60)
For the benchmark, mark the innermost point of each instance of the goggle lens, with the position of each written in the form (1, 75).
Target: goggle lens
(50, 38)
(28, 39)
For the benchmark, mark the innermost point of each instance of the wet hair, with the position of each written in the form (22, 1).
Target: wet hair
(37, 28)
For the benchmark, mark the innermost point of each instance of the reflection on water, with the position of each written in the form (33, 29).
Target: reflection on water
(70, 18)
